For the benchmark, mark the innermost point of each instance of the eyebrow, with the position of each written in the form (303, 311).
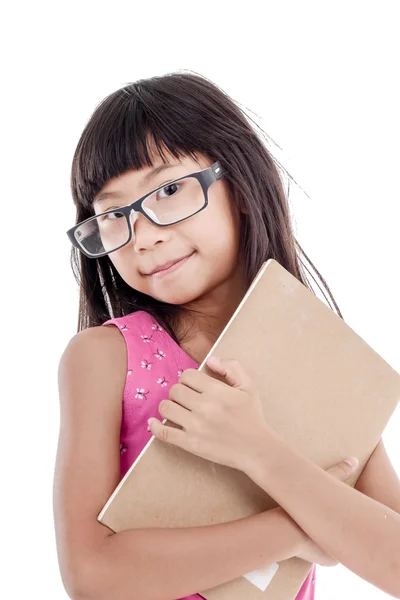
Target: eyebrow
(148, 177)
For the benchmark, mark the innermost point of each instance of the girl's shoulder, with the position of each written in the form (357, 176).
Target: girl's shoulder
(120, 334)
(92, 341)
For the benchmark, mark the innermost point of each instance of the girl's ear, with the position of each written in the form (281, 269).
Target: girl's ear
(239, 203)
(241, 206)
(237, 200)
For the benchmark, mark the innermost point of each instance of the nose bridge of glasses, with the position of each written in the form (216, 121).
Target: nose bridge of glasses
(135, 215)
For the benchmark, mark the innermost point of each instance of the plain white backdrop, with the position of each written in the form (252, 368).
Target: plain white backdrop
(323, 77)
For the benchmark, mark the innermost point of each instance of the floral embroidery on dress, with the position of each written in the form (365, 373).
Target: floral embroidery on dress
(130, 371)
(122, 448)
(160, 354)
(141, 394)
(180, 372)
(146, 364)
(146, 338)
(123, 328)
(156, 327)
(162, 381)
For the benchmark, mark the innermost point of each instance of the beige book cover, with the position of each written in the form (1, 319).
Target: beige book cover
(323, 389)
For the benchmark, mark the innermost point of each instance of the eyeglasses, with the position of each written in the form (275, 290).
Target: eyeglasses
(168, 204)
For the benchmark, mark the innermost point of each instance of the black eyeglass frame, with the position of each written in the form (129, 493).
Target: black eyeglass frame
(205, 177)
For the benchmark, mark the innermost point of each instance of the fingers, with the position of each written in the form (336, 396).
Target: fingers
(352, 461)
(174, 412)
(233, 372)
(178, 412)
(184, 395)
(196, 380)
(170, 435)
(228, 368)
(342, 470)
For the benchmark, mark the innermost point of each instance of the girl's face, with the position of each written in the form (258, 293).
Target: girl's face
(210, 239)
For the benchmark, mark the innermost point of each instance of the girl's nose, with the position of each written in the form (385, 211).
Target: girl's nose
(145, 233)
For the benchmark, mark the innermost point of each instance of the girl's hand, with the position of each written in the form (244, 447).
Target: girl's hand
(309, 550)
(222, 421)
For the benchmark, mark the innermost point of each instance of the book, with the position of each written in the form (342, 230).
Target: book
(310, 369)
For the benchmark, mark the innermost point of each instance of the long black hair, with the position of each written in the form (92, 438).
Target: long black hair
(185, 113)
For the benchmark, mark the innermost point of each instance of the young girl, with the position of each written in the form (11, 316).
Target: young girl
(178, 205)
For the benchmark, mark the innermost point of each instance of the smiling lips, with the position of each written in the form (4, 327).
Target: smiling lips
(168, 266)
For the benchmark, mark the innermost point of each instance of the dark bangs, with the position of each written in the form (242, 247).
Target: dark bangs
(185, 114)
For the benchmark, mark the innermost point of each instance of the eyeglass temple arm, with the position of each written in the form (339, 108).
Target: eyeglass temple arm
(217, 169)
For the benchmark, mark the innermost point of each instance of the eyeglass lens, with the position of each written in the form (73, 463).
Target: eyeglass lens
(173, 202)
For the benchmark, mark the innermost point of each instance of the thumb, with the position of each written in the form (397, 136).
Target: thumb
(343, 469)
(232, 371)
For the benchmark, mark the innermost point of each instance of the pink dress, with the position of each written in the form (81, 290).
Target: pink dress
(155, 363)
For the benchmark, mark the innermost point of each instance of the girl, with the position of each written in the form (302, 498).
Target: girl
(178, 204)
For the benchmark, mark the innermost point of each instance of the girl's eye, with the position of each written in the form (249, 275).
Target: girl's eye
(111, 216)
(170, 191)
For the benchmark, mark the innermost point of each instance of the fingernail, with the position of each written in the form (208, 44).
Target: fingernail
(213, 360)
(352, 461)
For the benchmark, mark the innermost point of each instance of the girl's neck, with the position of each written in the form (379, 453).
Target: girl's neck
(198, 332)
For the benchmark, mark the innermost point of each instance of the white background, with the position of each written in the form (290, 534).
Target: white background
(323, 77)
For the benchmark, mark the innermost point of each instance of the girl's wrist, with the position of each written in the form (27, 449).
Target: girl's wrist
(262, 453)
(299, 536)
(295, 538)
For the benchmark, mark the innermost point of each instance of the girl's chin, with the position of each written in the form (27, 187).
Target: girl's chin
(175, 299)
(171, 294)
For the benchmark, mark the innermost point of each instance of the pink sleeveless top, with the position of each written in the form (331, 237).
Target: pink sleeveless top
(155, 363)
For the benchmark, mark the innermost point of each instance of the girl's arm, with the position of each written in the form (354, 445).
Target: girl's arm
(358, 531)
(164, 564)
(150, 564)
(379, 479)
